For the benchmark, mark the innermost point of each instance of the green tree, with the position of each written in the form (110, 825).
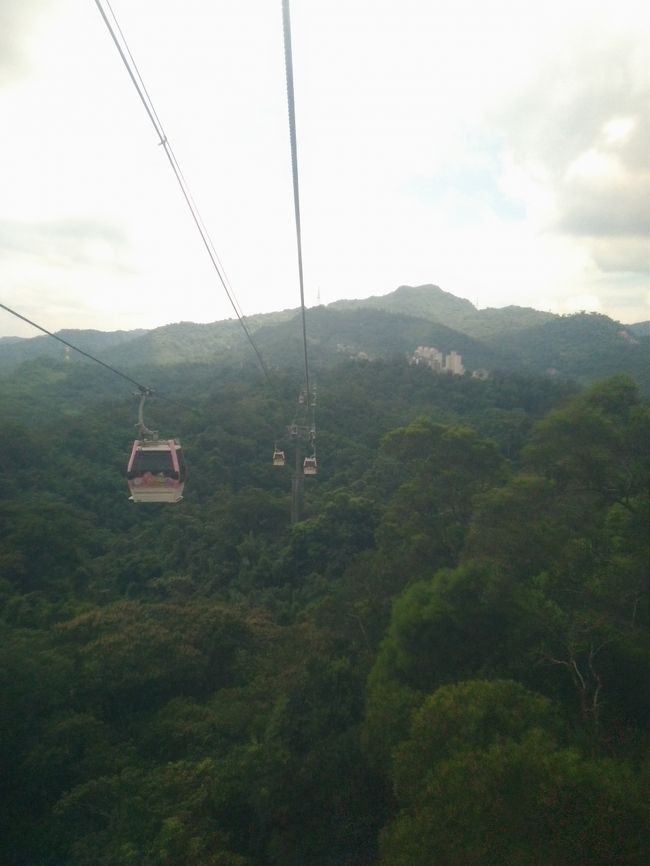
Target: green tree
(483, 780)
(425, 522)
(598, 442)
(133, 657)
(453, 627)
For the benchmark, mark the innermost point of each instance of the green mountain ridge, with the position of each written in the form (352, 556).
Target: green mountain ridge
(433, 303)
(372, 334)
(426, 301)
(582, 346)
(639, 329)
(17, 349)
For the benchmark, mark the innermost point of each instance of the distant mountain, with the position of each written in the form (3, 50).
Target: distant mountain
(181, 342)
(431, 302)
(639, 329)
(423, 302)
(584, 346)
(492, 322)
(360, 332)
(14, 350)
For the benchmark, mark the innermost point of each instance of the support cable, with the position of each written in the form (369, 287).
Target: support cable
(170, 153)
(288, 62)
(138, 83)
(143, 389)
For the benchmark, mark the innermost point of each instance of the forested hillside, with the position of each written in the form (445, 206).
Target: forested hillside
(584, 346)
(443, 664)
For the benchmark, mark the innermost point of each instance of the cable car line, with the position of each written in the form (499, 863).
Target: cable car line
(139, 85)
(156, 467)
(138, 385)
(302, 429)
(141, 89)
(288, 62)
(170, 154)
(142, 389)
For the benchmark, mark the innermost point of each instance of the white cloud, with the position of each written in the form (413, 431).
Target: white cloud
(582, 303)
(618, 130)
(494, 148)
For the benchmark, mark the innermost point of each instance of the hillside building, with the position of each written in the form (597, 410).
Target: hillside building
(428, 356)
(454, 364)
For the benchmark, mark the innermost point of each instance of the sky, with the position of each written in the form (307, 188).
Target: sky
(496, 148)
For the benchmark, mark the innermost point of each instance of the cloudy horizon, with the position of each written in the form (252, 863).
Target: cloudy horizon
(497, 150)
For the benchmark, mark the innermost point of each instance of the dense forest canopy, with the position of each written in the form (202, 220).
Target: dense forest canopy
(444, 663)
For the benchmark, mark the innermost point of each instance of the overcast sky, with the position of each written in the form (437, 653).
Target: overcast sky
(496, 148)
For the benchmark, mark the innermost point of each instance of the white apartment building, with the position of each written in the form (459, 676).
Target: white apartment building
(431, 357)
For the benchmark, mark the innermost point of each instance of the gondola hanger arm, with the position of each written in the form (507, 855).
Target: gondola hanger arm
(143, 430)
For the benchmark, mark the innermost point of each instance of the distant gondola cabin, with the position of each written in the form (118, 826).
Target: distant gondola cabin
(156, 471)
(310, 467)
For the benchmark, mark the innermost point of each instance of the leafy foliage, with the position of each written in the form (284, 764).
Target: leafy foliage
(445, 662)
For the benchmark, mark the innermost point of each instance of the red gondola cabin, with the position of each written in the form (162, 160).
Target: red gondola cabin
(156, 471)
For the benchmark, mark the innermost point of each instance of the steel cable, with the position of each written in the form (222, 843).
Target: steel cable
(288, 62)
(144, 389)
(142, 92)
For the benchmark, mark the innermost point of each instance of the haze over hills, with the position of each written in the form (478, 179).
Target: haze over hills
(583, 346)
